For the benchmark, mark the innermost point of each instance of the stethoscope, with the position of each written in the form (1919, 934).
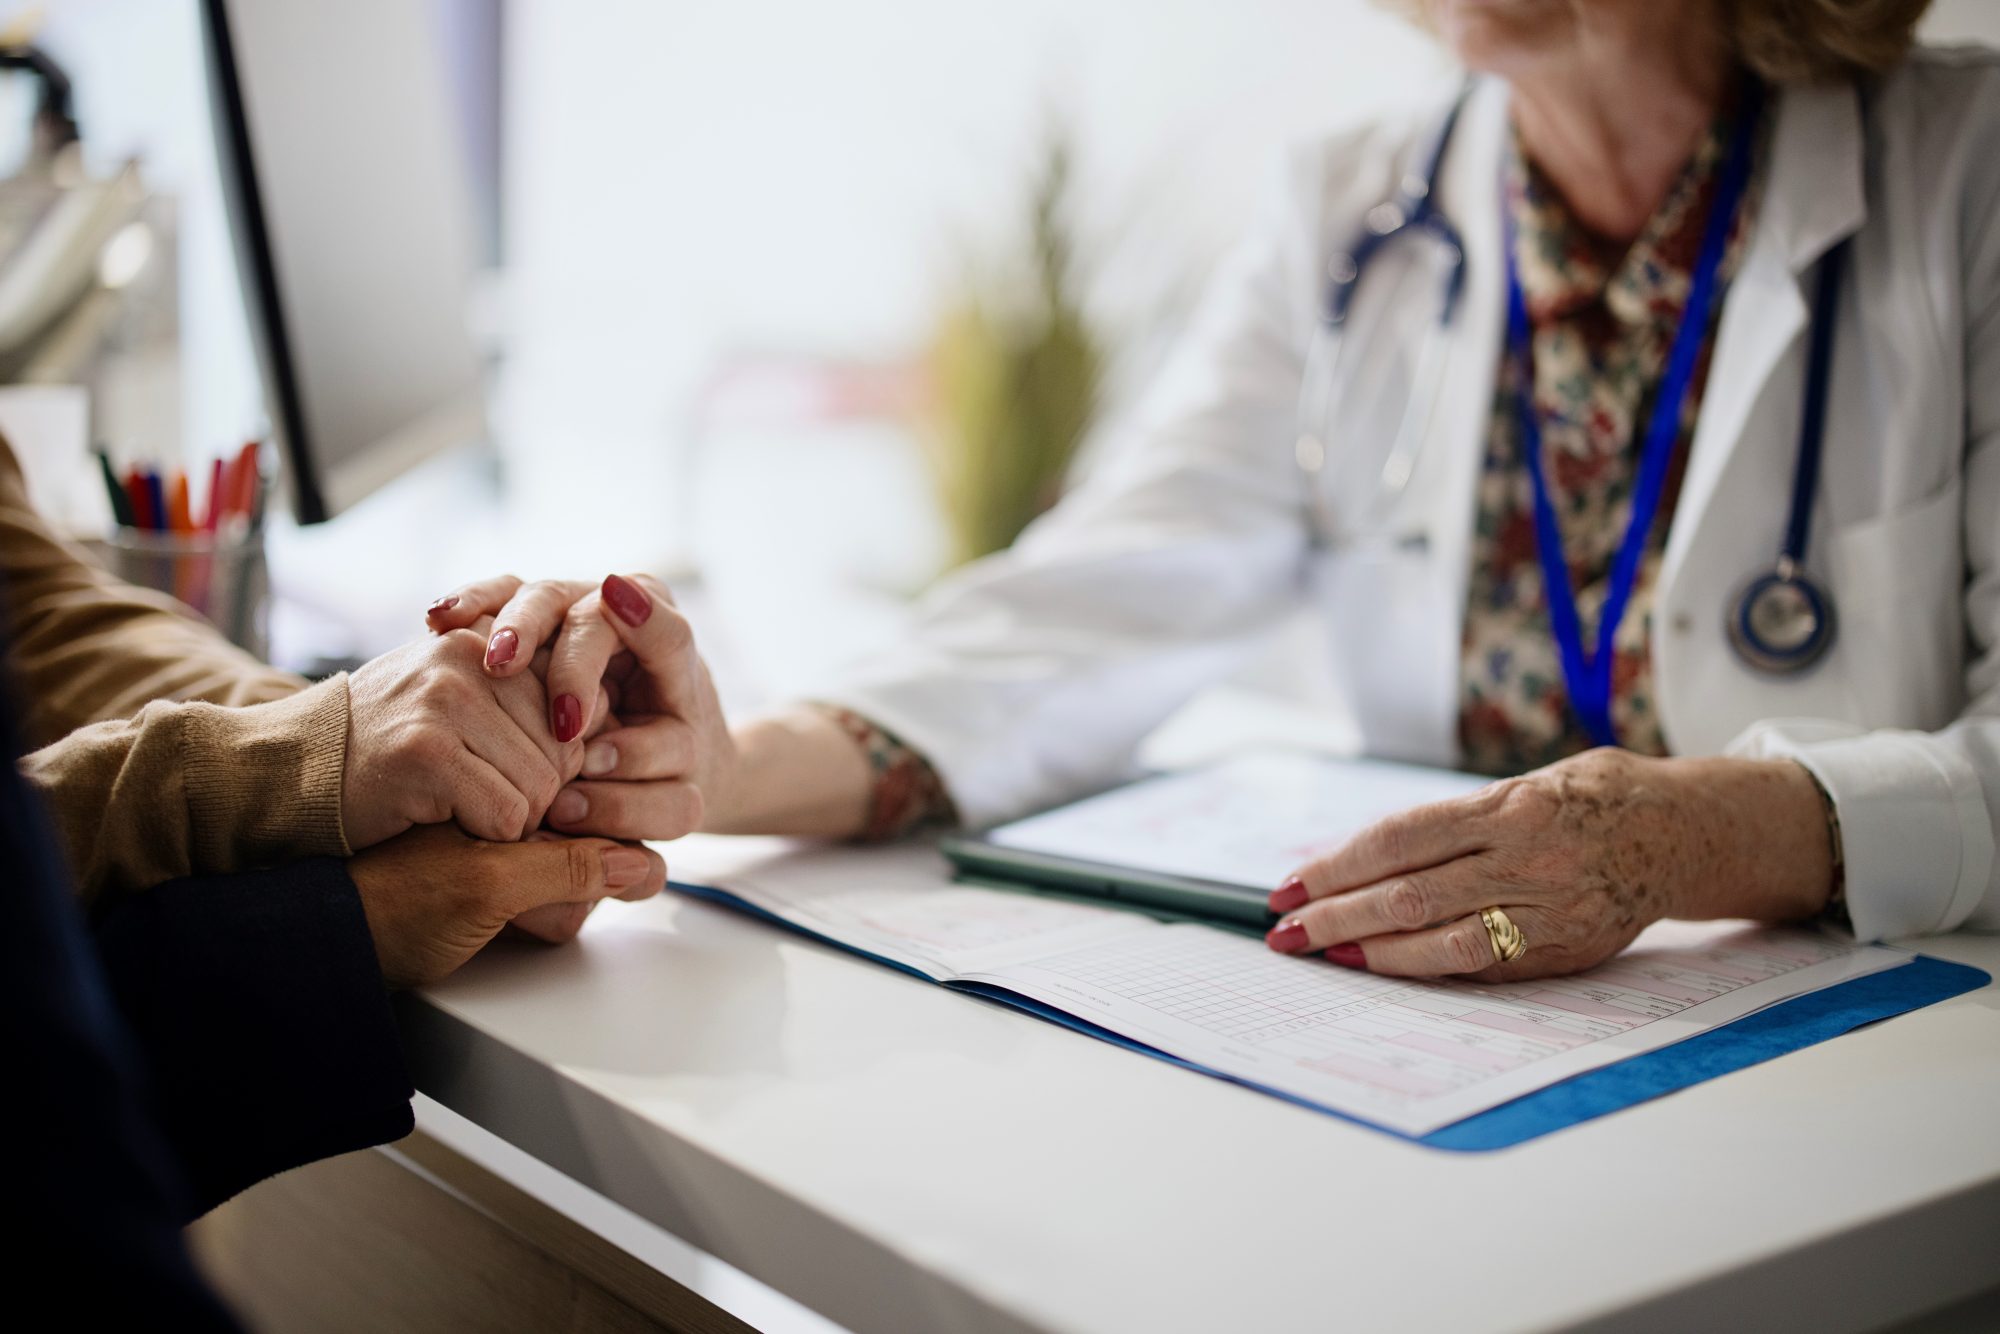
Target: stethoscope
(1781, 622)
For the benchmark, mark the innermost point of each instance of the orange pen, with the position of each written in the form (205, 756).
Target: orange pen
(180, 509)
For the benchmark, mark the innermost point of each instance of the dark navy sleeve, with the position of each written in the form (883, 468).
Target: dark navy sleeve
(260, 1014)
(96, 1197)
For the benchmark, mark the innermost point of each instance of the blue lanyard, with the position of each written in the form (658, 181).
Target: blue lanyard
(1588, 676)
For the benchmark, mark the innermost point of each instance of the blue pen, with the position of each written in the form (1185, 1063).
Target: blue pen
(156, 501)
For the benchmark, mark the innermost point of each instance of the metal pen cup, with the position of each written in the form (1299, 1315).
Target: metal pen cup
(221, 576)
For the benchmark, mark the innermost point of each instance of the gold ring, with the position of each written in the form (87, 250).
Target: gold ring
(1506, 939)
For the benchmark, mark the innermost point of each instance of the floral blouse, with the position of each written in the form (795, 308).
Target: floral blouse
(1601, 323)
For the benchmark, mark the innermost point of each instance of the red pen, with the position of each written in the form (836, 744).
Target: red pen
(141, 498)
(215, 482)
(232, 486)
(244, 494)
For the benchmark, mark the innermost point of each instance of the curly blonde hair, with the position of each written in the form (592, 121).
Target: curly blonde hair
(1810, 41)
(1795, 41)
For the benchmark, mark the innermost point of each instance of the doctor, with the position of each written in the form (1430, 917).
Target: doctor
(1633, 423)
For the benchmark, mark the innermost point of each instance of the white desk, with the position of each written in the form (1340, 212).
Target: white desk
(899, 1157)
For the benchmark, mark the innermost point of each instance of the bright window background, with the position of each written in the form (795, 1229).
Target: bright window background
(689, 186)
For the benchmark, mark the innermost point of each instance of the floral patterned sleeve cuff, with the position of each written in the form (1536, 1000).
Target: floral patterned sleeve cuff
(906, 792)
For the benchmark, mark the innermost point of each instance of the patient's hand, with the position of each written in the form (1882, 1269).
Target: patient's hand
(668, 755)
(434, 897)
(431, 737)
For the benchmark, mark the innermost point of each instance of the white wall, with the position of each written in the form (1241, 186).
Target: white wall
(688, 182)
(699, 175)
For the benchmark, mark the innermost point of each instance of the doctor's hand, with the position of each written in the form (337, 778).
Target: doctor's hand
(663, 759)
(434, 897)
(1582, 855)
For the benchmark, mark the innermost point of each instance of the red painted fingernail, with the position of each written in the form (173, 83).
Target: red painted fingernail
(567, 717)
(500, 649)
(1287, 937)
(1348, 955)
(441, 605)
(623, 596)
(1290, 895)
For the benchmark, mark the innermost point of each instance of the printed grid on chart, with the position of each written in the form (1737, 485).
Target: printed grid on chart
(1407, 1039)
(1260, 996)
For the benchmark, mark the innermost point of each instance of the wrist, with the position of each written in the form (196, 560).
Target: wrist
(1758, 842)
(722, 795)
(794, 773)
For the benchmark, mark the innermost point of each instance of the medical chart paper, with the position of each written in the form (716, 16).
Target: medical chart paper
(1409, 1056)
(1249, 821)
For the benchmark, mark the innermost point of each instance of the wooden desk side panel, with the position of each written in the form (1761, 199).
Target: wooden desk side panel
(415, 1237)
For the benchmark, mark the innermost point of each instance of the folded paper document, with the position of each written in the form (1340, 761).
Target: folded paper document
(1408, 1056)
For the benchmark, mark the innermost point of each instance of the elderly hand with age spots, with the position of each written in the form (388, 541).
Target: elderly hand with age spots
(1582, 855)
(431, 738)
(434, 742)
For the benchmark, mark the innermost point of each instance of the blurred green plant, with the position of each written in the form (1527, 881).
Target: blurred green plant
(1016, 370)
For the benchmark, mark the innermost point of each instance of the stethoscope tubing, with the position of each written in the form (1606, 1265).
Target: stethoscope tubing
(1812, 421)
(1413, 207)
(1413, 210)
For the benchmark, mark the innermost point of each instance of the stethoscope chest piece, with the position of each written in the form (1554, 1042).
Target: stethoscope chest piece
(1782, 622)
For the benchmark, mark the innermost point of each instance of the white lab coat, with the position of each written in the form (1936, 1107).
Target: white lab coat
(1032, 675)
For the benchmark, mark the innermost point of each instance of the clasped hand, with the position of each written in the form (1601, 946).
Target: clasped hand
(541, 748)
(657, 756)
(435, 741)
(431, 738)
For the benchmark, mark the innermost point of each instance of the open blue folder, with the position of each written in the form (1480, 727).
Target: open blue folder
(1751, 1040)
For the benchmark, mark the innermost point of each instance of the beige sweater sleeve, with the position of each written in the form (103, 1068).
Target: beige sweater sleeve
(166, 750)
(191, 788)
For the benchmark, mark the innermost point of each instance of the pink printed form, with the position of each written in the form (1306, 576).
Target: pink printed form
(1527, 1028)
(1402, 1053)
(1673, 989)
(1596, 1009)
(1482, 1058)
(1405, 1082)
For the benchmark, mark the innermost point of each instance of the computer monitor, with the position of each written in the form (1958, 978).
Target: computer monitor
(349, 206)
